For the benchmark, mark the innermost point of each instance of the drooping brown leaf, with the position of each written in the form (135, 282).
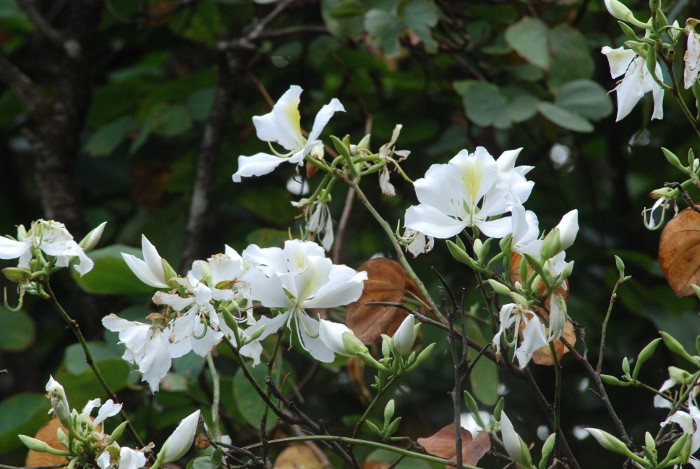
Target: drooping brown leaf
(386, 282)
(47, 434)
(298, 456)
(375, 465)
(442, 444)
(356, 372)
(679, 252)
(543, 356)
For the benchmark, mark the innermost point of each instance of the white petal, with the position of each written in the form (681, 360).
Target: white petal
(181, 439)
(131, 459)
(323, 116)
(619, 59)
(344, 285)
(108, 409)
(11, 249)
(308, 333)
(256, 165)
(496, 228)
(283, 123)
(432, 222)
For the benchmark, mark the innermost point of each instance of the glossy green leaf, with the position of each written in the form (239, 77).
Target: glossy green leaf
(18, 330)
(528, 37)
(111, 275)
(586, 98)
(563, 118)
(22, 413)
(74, 358)
(249, 403)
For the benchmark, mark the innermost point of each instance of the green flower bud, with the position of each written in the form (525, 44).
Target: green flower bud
(461, 255)
(116, 433)
(673, 159)
(644, 355)
(41, 446)
(17, 275)
(547, 449)
(388, 412)
(620, 266)
(422, 356)
(90, 240)
(498, 287)
(675, 346)
(610, 442)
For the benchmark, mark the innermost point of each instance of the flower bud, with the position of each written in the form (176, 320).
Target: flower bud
(675, 346)
(609, 442)
(514, 445)
(59, 402)
(405, 336)
(388, 412)
(498, 287)
(42, 446)
(339, 338)
(180, 441)
(618, 10)
(561, 237)
(17, 274)
(90, 240)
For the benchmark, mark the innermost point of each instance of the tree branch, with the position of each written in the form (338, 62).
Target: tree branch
(22, 86)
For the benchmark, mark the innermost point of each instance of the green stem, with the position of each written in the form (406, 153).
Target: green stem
(372, 404)
(372, 444)
(216, 398)
(677, 94)
(73, 325)
(604, 330)
(397, 247)
(556, 404)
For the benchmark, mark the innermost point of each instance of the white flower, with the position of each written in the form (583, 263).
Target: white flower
(512, 315)
(52, 238)
(416, 242)
(691, 59)
(385, 154)
(146, 346)
(108, 409)
(180, 441)
(636, 82)
(405, 336)
(295, 278)
(525, 228)
(662, 204)
(689, 423)
(283, 126)
(512, 179)
(469, 422)
(557, 316)
(558, 240)
(128, 459)
(150, 270)
(462, 193)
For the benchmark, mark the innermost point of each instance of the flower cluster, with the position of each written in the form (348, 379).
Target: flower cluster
(213, 302)
(87, 444)
(486, 195)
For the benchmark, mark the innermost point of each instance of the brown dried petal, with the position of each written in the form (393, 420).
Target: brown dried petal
(679, 252)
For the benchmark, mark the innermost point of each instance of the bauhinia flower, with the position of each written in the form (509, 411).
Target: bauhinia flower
(521, 320)
(416, 242)
(283, 126)
(405, 336)
(146, 345)
(126, 458)
(59, 401)
(463, 193)
(52, 238)
(295, 278)
(562, 237)
(691, 59)
(340, 338)
(636, 83)
(153, 270)
(386, 155)
(180, 441)
(321, 224)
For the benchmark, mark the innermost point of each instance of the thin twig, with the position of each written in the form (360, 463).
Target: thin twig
(40, 22)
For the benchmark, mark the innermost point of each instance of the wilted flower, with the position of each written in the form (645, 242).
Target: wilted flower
(282, 125)
(636, 83)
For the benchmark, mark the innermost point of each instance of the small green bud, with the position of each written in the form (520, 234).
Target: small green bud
(547, 448)
(610, 442)
(613, 381)
(353, 345)
(461, 255)
(17, 274)
(388, 412)
(675, 346)
(364, 143)
(422, 356)
(498, 287)
(620, 266)
(518, 298)
(168, 271)
(483, 252)
(116, 433)
(477, 247)
(681, 446)
(41, 446)
(673, 160)
(90, 240)
(373, 428)
(618, 10)
(649, 441)
(640, 48)
(626, 367)
(498, 409)
(392, 427)
(629, 32)
(471, 404)
(61, 436)
(644, 355)
(651, 61)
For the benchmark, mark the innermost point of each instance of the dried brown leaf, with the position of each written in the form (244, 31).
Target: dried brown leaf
(386, 282)
(298, 456)
(679, 252)
(356, 372)
(442, 444)
(543, 356)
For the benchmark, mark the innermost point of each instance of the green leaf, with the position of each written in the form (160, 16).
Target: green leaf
(111, 275)
(169, 120)
(22, 413)
(74, 358)
(485, 106)
(563, 118)
(107, 138)
(199, 103)
(421, 16)
(204, 25)
(385, 28)
(18, 330)
(348, 22)
(82, 387)
(522, 107)
(528, 37)
(249, 403)
(571, 56)
(344, 8)
(584, 97)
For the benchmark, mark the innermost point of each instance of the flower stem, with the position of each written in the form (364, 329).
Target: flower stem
(372, 404)
(216, 398)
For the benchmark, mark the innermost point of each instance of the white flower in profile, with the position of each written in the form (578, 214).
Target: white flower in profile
(293, 279)
(339, 338)
(512, 179)
(150, 270)
(462, 193)
(636, 83)
(180, 441)
(282, 125)
(52, 238)
(128, 459)
(321, 224)
(525, 228)
(416, 242)
(513, 315)
(59, 401)
(691, 59)
(146, 346)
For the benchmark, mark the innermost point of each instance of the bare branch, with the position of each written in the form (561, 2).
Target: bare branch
(23, 86)
(35, 16)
